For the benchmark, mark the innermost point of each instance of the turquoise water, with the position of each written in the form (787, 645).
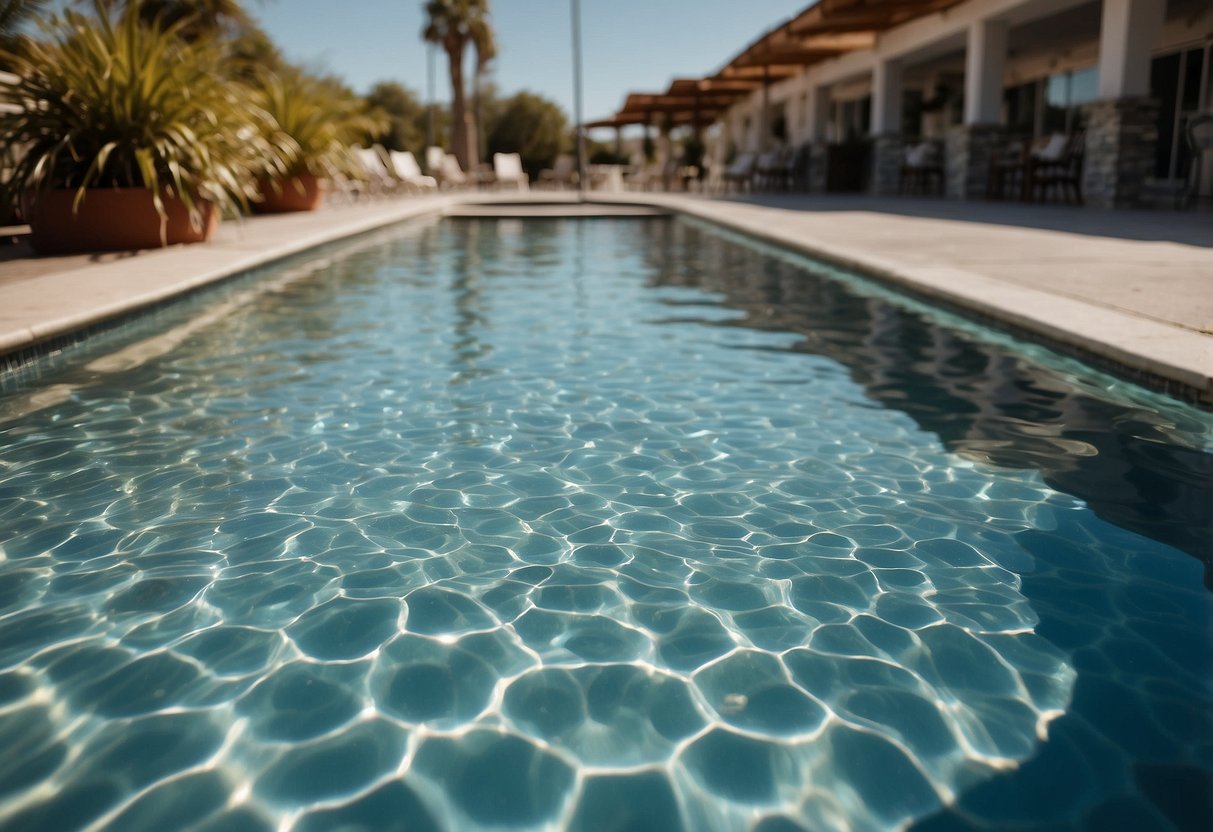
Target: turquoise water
(597, 525)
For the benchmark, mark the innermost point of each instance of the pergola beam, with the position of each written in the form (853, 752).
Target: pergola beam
(854, 15)
(788, 56)
(829, 29)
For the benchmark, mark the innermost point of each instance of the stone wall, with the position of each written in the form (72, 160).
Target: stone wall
(887, 158)
(1121, 139)
(969, 150)
(818, 170)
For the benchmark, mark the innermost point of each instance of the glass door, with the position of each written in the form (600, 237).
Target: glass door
(1180, 82)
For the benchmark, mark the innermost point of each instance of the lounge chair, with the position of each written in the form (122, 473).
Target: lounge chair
(451, 175)
(434, 157)
(507, 169)
(404, 165)
(378, 177)
(562, 173)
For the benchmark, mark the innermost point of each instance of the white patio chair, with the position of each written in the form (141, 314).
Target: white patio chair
(404, 165)
(643, 177)
(562, 173)
(451, 175)
(434, 157)
(507, 168)
(379, 178)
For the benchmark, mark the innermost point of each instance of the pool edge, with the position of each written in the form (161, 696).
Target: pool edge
(1032, 314)
(222, 261)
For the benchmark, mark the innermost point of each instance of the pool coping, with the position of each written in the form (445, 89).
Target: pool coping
(1170, 358)
(108, 293)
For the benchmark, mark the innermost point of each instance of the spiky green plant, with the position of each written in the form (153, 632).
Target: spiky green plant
(313, 122)
(114, 102)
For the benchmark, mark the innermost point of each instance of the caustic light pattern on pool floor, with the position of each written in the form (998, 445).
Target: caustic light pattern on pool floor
(482, 528)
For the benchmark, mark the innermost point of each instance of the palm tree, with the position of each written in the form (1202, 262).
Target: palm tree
(486, 51)
(453, 24)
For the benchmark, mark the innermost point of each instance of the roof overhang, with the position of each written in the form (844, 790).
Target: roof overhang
(827, 29)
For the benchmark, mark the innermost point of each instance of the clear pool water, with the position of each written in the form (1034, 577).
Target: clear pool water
(598, 525)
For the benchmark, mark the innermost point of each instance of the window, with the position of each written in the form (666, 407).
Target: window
(852, 119)
(1020, 104)
(1065, 95)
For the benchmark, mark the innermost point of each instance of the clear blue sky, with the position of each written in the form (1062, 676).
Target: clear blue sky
(629, 45)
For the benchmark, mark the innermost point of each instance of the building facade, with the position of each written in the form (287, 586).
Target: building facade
(1122, 77)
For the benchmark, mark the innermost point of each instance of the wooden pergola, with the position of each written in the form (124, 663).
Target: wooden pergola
(827, 29)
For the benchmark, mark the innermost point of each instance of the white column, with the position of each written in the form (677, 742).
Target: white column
(819, 113)
(1128, 32)
(886, 98)
(985, 63)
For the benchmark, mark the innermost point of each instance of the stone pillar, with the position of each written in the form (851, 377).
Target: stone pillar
(887, 157)
(764, 120)
(886, 98)
(1128, 32)
(819, 114)
(1122, 127)
(1120, 145)
(967, 156)
(887, 152)
(985, 63)
(818, 167)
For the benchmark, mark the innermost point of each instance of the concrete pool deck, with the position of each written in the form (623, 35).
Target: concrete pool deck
(1132, 290)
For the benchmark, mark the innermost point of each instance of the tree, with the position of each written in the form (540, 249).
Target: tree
(531, 126)
(405, 116)
(197, 18)
(14, 15)
(486, 51)
(253, 52)
(453, 25)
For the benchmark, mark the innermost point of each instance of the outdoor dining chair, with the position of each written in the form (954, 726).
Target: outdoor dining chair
(740, 172)
(1056, 169)
(1200, 142)
(922, 170)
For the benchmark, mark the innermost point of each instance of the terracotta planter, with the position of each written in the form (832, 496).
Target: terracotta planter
(304, 192)
(112, 219)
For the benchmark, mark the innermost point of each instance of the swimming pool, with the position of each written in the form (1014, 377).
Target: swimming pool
(595, 524)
